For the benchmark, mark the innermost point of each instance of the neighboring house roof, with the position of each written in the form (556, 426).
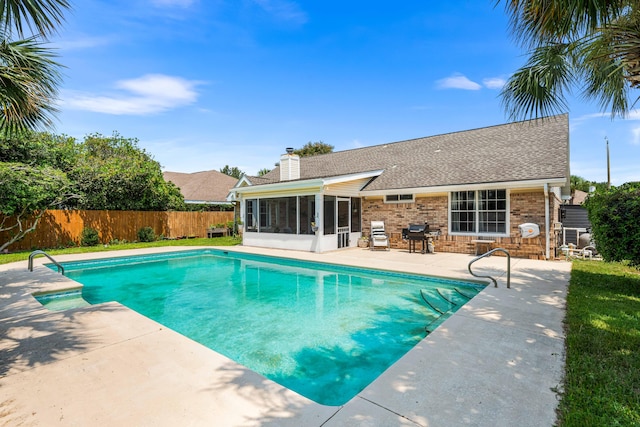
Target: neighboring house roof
(578, 197)
(202, 187)
(522, 151)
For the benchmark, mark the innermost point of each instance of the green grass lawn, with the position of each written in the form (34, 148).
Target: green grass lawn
(215, 241)
(602, 384)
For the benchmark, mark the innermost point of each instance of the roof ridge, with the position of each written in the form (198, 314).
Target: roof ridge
(538, 119)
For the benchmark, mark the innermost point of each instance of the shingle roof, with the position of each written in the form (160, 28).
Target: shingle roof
(208, 186)
(529, 150)
(257, 180)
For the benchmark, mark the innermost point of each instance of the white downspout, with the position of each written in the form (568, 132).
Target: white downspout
(546, 220)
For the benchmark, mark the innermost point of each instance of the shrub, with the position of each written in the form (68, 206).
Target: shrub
(89, 237)
(146, 234)
(614, 220)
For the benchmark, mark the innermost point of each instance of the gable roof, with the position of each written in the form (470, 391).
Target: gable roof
(522, 151)
(202, 187)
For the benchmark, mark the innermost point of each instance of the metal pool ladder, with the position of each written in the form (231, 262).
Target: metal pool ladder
(33, 254)
(495, 283)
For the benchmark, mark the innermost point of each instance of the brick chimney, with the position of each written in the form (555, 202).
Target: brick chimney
(289, 166)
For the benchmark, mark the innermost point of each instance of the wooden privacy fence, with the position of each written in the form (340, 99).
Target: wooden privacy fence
(59, 228)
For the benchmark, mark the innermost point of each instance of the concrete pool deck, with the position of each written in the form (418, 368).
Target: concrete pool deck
(498, 361)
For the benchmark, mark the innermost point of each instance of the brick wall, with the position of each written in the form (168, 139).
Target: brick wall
(526, 206)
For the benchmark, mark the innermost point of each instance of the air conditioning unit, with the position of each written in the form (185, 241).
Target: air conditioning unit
(529, 229)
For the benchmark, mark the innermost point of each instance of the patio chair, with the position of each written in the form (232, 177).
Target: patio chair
(379, 238)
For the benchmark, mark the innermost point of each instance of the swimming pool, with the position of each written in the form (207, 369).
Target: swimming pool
(324, 331)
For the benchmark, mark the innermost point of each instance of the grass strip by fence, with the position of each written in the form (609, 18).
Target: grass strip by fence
(214, 241)
(602, 383)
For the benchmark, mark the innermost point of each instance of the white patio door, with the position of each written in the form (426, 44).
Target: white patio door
(343, 214)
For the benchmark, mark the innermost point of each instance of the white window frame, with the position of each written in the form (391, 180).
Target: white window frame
(477, 215)
(412, 200)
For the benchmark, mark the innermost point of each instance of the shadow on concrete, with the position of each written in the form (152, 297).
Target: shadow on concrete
(43, 337)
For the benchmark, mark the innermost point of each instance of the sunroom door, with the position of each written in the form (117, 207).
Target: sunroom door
(343, 214)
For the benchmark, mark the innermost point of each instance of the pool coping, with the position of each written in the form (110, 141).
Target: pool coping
(499, 360)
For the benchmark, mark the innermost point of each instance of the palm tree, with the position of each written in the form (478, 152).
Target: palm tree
(29, 75)
(593, 45)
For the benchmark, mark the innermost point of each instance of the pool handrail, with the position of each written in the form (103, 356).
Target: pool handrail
(495, 283)
(41, 252)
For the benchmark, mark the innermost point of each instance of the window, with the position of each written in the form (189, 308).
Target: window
(263, 216)
(306, 213)
(398, 198)
(329, 215)
(492, 211)
(297, 214)
(278, 215)
(483, 211)
(356, 204)
(463, 211)
(251, 218)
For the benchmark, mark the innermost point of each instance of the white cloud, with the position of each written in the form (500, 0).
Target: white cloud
(494, 82)
(458, 81)
(636, 136)
(633, 115)
(149, 94)
(87, 42)
(284, 10)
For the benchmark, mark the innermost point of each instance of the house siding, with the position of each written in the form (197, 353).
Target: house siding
(525, 206)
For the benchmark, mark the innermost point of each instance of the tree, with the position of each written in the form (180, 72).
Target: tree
(39, 149)
(263, 171)
(579, 183)
(29, 78)
(32, 179)
(592, 45)
(314, 148)
(41, 16)
(40, 171)
(614, 221)
(232, 171)
(113, 173)
(25, 193)
(29, 75)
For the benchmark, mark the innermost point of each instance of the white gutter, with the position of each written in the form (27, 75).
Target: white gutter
(317, 183)
(546, 220)
(510, 185)
(207, 202)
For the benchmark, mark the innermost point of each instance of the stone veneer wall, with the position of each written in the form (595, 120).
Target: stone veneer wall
(526, 206)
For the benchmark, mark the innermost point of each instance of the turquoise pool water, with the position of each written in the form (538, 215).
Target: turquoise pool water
(321, 330)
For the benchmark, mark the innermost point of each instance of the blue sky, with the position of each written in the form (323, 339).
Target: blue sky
(208, 83)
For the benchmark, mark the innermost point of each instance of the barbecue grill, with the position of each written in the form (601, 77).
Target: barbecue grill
(419, 233)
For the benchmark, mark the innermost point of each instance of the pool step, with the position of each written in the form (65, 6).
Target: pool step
(441, 301)
(61, 301)
(459, 292)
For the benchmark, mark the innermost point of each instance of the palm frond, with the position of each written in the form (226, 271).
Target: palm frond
(538, 89)
(536, 22)
(29, 76)
(605, 75)
(40, 16)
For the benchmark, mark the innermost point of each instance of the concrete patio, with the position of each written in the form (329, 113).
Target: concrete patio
(498, 361)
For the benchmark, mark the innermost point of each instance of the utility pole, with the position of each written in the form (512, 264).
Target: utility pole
(608, 166)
